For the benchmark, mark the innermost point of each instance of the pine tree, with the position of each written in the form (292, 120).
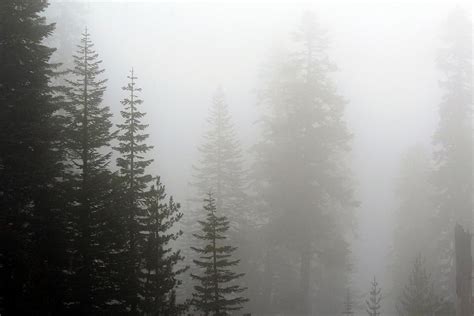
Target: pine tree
(132, 164)
(419, 297)
(453, 142)
(303, 127)
(88, 138)
(32, 259)
(160, 267)
(375, 297)
(217, 293)
(348, 304)
(220, 168)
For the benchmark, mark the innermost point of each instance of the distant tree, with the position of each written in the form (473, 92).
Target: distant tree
(453, 142)
(302, 177)
(419, 297)
(32, 256)
(160, 267)
(132, 163)
(88, 138)
(375, 297)
(216, 294)
(220, 168)
(348, 304)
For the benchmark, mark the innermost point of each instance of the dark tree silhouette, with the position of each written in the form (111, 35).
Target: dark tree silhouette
(132, 164)
(161, 265)
(216, 294)
(32, 257)
(375, 297)
(88, 133)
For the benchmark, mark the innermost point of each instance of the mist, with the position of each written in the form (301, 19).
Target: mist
(393, 169)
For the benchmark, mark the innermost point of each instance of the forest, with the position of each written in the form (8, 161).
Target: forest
(242, 158)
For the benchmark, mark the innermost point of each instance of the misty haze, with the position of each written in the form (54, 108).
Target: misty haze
(236, 158)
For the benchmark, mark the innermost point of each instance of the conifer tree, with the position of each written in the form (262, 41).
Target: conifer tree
(88, 139)
(32, 259)
(348, 304)
(220, 168)
(453, 142)
(375, 297)
(161, 265)
(216, 294)
(419, 297)
(302, 176)
(132, 164)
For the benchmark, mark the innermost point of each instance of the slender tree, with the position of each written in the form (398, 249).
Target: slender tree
(161, 265)
(217, 293)
(90, 181)
(375, 297)
(132, 163)
(32, 259)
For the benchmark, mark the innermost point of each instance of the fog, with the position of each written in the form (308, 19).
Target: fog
(182, 52)
(386, 58)
(386, 54)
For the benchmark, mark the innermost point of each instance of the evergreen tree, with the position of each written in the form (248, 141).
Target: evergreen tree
(160, 265)
(88, 138)
(220, 168)
(375, 297)
(32, 259)
(132, 164)
(217, 293)
(419, 297)
(348, 304)
(302, 176)
(453, 142)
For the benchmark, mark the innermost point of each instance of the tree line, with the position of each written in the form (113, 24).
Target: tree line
(78, 235)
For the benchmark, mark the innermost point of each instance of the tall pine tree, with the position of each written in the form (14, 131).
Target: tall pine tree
(302, 176)
(132, 163)
(90, 181)
(216, 294)
(161, 265)
(453, 142)
(32, 259)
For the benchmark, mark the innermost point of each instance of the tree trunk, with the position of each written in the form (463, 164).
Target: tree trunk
(463, 272)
